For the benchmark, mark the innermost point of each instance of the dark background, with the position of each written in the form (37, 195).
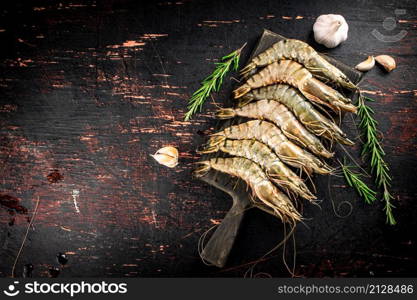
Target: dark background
(90, 89)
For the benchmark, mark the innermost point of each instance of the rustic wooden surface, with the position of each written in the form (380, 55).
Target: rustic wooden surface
(89, 90)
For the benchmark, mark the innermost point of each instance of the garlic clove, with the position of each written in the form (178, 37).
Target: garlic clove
(366, 65)
(167, 156)
(330, 30)
(387, 62)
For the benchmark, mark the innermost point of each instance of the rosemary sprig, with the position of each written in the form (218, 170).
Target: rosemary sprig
(213, 82)
(354, 180)
(372, 148)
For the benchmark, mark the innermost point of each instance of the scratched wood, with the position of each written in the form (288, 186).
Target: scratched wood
(89, 90)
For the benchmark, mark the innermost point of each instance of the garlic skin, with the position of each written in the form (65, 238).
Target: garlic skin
(387, 62)
(330, 30)
(366, 65)
(167, 156)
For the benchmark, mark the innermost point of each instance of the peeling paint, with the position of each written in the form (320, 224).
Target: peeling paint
(8, 108)
(292, 18)
(75, 194)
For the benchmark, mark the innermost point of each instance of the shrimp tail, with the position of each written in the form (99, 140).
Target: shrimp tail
(249, 74)
(215, 139)
(203, 169)
(244, 101)
(207, 150)
(225, 113)
(239, 92)
(249, 67)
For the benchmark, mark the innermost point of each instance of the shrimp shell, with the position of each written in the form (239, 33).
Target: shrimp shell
(269, 134)
(302, 53)
(302, 109)
(280, 115)
(294, 74)
(258, 152)
(258, 181)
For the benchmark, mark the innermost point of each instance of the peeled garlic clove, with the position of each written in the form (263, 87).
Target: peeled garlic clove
(167, 156)
(387, 62)
(366, 65)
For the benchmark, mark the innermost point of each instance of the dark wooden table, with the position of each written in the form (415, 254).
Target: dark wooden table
(89, 90)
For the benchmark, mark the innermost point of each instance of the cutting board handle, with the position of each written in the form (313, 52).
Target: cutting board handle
(221, 242)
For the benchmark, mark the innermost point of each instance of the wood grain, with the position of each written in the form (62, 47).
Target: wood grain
(90, 89)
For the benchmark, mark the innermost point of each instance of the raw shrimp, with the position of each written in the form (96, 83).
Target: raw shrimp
(302, 109)
(304, 54)
(280, 115)
(294, 74)
(260, 153)
(258, 181)
(273, 137)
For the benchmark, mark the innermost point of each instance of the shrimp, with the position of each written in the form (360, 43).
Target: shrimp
(261, 186)
(294, 74)
(273, 137)
(302, 109)
(280, 115)
(261, 154)
(302, 53)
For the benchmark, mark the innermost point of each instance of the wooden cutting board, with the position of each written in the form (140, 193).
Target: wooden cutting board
(217, 249)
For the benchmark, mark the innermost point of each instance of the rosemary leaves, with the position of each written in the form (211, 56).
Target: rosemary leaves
(372, 149)
(213, 82)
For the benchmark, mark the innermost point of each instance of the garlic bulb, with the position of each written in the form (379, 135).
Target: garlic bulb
(167, 156)
(366, 65)
(330, 30)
